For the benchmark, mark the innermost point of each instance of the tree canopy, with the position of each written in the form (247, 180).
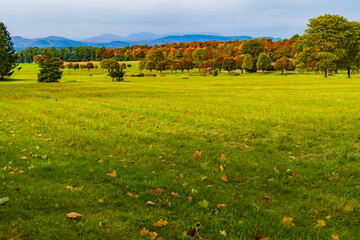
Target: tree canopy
(7, 53)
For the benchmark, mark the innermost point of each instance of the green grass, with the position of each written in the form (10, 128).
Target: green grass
(294, 138)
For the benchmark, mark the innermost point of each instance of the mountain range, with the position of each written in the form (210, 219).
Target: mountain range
(116, 41)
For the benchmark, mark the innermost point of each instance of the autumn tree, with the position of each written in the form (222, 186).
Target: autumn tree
(263, 62)
(89, 65)
(7, 53)
(218, 63)
(282, 64)
(229, 64)
(150, 65)
(239, 61)
(49, 65)
(161, 66)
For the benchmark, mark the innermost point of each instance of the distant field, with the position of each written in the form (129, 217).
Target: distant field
(282, 153)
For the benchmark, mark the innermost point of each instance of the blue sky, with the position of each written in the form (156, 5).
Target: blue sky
(81, 19)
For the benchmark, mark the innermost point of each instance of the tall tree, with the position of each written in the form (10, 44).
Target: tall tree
(263, 62)
(49, 65)
(331, 36)
(7, 53)
(248, 63)
(229, 64)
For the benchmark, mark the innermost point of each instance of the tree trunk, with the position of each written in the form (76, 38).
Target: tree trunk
(348, 71)
(326, 73)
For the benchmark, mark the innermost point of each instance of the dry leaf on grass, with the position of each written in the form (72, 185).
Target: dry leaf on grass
(287, 221)
(222, 206)
(320, 223)
(223, 233)
(266, 198)
(73, 215)
(113, 174)
(174, 195)
(198, 154)
(161, 223)
(225, 178)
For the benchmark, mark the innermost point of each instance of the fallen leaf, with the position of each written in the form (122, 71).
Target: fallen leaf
(222, 206)
(267, 238)
(204, 204)
(70, 188)
(161, 223)
(151, 203)
(90, 170)
(357, 187)
(23, 158)
(320, 223)
(73, 215)
(348, 208)
(287, 221)
(254, 164)
(3, 200)
(152, 235)
(295, 173)
(225, 178)
(198, 155)
(223, 233)
(193, 191)
(328, 217)
(191, 232)
(334, 237)
(222, 167)
(174, 195)
(332, 176)
(157, 191)
(266, 198)
(112, 174)
(223, 156)
(131, 194)
(190, 199)
(144, 232)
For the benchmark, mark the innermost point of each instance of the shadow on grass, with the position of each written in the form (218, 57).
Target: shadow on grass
(15, 80)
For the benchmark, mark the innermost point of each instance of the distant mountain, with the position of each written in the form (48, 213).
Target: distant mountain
(21, 43)
(115, 41)
(104, 38)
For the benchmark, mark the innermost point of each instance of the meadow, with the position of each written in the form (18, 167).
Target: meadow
(255, 156)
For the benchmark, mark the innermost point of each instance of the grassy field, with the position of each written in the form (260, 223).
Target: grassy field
(279, 156)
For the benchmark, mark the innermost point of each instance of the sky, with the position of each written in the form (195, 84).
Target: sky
(80, 19)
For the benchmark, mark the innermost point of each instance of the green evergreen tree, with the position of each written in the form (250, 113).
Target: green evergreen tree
(49, 65)
(7, 53)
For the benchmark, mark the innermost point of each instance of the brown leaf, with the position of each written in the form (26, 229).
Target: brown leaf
(222, 206)
(266, 198)
(198, 154)
(23, 158)
(174, 195)
(225, 178)
(191, 232)
(73, 215)
(157, 191)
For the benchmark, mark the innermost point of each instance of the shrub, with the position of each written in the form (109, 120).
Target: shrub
(215, 72)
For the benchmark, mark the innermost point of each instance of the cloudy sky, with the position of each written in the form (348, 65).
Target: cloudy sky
(79, 19)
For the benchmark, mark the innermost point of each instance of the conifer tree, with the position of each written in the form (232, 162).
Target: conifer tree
(7, 53)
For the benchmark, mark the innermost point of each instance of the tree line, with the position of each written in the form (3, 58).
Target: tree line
(330, 43)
